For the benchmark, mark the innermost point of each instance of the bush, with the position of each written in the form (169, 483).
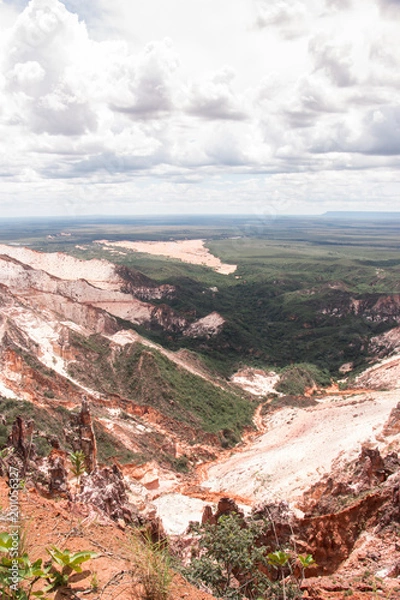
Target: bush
(296, 379)
(229, 557)
(181, 464)
(20, 578)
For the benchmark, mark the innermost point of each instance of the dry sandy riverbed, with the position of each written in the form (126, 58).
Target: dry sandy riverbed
(188, 251)
(300, 446)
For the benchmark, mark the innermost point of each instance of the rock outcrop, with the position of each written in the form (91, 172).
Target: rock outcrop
(21, 441)
(93, 292)
(58, 475)
(377, 308)
(226, 506)
(87, 438)
(206, 327)
(361, 497)
(392, 426)
(105, 489)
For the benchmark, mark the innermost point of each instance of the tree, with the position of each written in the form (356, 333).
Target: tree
(233, 563)
(229, 558)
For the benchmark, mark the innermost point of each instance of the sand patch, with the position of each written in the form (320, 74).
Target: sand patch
(300, 446)
(176, 511)
(188, 251)
(256, 381)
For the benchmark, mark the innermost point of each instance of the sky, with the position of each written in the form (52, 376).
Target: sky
(260, 107)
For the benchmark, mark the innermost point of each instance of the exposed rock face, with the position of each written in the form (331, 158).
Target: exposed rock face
(226, 506)
(163, 316)
(105, 489)
(362, 496)
(330, 538)
(92, 319)
(378, 308)
(21, 439)
(208, 516)
(386, 343)
(142, 287)
(206, 327)
(98, 272)
(89, 292)
(58, 475)
(369, 470)
(256, 381)
(392, 426)
(383, 375)
(87, 438)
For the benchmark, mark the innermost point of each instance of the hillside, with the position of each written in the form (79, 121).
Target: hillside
(168, 437)
(297, 296)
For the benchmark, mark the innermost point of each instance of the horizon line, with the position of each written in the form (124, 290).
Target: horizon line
(200, 215)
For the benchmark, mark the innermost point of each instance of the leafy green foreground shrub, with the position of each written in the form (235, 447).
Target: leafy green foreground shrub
(295, 379)
(22, 579)
(233, 564)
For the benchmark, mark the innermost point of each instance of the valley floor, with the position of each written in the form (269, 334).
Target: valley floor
(295, 449)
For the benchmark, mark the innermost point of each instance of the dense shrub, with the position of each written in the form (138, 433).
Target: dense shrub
(296, 379)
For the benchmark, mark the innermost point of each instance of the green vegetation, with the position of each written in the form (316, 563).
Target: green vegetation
(289, 306)
(151, 568)
(281, 401)
(22, 579)
(232, 561)
(63, 564)
(147, 377)
(77, 460)
(291, 296)
(214, 408)
(290, 299)
(57, 424)
(229, 559)
(109, 447)
(296, 379)
(47, 425)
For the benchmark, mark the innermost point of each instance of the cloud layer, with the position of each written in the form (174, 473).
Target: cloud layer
(260, 107)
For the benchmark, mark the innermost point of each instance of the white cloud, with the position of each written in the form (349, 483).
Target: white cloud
(27, 75)
(390, 8)
(145, 88)
(120, 100)
(289, 15)
(214, 97)
(380, 132)
(335, 60)
(338, 4)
